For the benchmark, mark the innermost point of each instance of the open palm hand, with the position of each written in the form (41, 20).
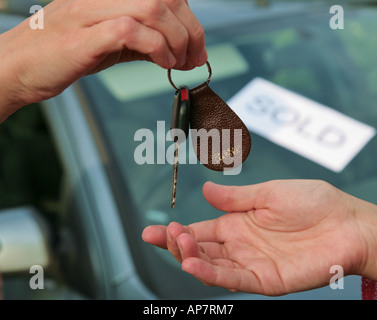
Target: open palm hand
(279, 237)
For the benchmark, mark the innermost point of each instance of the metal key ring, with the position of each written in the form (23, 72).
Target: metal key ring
(208, 80)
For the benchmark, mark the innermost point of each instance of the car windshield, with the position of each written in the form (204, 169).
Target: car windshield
(334, 67)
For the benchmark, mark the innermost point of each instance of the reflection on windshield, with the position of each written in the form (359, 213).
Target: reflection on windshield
(335, 68)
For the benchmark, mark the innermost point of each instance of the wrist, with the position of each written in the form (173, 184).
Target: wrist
(11, 91)
(367, 221)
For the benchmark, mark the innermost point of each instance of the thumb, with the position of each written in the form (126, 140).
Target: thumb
(234, 198)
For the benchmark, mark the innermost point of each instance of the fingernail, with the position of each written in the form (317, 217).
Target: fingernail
(179, 243)
(203, 57)
(169, 236)
(171, 60)
(182, 61)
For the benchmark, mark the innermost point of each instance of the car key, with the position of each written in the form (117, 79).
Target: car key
(202, 109)
(179, 120)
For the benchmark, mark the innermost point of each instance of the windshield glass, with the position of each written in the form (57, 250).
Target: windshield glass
(336, 68)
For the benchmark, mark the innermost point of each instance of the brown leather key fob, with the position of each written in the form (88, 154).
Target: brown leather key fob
(229, 144)
(220, 139)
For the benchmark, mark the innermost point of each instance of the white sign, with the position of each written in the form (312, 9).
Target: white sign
(299, 124)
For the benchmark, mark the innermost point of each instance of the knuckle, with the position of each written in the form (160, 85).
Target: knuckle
(126, 28)
(152, 8)
(197, 32)
(182, 40)
(158, 43)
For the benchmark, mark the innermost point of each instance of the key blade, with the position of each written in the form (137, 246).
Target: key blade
(174, 186)
(175, 175)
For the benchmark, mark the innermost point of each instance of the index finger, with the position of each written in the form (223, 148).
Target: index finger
(155, 235)
(205, 231)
